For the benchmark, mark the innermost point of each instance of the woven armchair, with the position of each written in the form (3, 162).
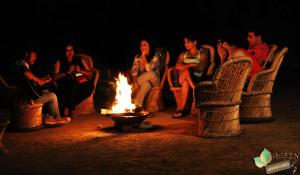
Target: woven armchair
(154, 100)
(87, 106)
(173, 75)
(256, 101)
(217, 101)
(25, 115)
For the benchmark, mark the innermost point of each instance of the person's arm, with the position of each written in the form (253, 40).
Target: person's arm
(29, 76)
(58, 75)
(212, 58)
(221, 53)
(180, 65)
(135, 68)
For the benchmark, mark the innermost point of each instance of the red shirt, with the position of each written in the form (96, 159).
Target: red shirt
(256, 67)
(260, 52)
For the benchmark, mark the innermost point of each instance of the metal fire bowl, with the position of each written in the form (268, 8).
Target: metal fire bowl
(129, 118)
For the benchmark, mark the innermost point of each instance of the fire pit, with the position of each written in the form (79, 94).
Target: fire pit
(129, 118)
(123, 112)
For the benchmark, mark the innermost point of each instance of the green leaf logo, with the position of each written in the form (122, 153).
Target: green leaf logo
(264, 158)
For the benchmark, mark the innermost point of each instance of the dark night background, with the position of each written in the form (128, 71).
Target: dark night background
(110, 30)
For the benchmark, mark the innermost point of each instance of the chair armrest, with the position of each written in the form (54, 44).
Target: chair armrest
(218, 103)
(169, 75)
(256, 93)
(205, 85)
(203, 91)
(256, 78)
(164, 77)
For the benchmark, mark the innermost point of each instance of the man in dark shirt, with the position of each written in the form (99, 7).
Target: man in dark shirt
(31, 85)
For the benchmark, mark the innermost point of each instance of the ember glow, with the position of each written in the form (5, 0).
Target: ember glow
(122, 101)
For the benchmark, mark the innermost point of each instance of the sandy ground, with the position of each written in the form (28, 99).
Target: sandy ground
(83, 147)
(89, 145)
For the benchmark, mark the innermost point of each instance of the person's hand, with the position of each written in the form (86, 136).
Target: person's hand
(71, 69)
(221, 52)
(77, 69)
(143, 62)
(148, 67)
(47, 77)
(135, 86)
(193, 65)
(41, 82)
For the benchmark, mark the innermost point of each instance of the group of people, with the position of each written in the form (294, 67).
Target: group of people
(64, 88)
(192, 65)
(71, 79)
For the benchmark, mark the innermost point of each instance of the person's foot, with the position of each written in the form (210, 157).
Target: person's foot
(51, 122)
(179, 114)
(64, 120)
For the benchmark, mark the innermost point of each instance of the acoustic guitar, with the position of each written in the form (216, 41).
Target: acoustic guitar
(31, 88)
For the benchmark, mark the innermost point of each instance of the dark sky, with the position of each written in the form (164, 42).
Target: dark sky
(110, 30)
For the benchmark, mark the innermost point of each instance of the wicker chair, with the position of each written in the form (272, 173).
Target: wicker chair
(217, 101)
(173, 76)
(256, 101)
(25, 115)
(270, 58)
(154, 100)
(87, 105)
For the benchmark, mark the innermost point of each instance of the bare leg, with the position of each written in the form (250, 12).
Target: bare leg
(184, 92)
(186, 82)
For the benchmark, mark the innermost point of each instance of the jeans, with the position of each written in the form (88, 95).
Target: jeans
(49, 100)
(145, 81)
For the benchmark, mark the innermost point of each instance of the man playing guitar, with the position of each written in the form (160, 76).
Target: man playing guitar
(30, 84)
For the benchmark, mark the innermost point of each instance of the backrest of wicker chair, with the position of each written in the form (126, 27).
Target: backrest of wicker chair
(164, 58)
(271, 54)
(88, 59)
(230, 78)
(264, 81)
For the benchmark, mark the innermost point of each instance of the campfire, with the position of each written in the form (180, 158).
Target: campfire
(123, 110)
(122, 101)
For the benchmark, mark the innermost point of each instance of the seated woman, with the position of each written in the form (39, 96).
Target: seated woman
(145, 73)
(191, 65)
(73, 77)
(227, 51)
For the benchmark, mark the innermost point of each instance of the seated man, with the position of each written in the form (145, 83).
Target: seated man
(145, 73)
(31, 84)
(227, 51)
(191, 65)
(74, 80)
(257, 47)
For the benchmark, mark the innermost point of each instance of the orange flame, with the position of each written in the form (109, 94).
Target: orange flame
(122, 101)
